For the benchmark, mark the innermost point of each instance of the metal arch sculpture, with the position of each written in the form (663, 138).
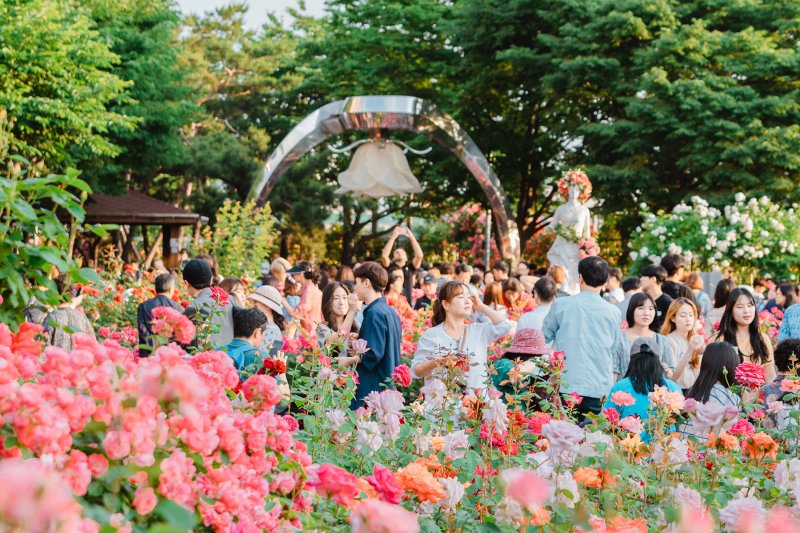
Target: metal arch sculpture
(393, 113)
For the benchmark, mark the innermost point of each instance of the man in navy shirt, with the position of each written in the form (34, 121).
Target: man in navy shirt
(380, 328)
(165, 286)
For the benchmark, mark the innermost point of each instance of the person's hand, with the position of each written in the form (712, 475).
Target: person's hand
(280, 356)
(353, 302)
(343, 360)
(477, 304)
(407, 233)
(397, 232)
(697, 343)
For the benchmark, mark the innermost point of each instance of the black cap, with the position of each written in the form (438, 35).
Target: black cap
(197, 273)
(429, 279)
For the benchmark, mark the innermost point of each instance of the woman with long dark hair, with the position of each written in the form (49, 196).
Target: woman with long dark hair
(721, 294)
(339, 307)
(785, 296)
(644, 373)
(641, 313)
(739, 328)
(452, 336)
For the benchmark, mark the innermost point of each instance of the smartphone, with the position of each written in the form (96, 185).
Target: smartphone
(78, 291)
(276, 347)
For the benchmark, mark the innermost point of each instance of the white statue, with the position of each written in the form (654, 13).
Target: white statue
(573, 226)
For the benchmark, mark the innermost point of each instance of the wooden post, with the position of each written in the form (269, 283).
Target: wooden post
(151, 252)
(171, 245)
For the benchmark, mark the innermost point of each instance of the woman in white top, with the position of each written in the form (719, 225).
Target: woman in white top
(687, 348)
(450, 332)
(640, 314)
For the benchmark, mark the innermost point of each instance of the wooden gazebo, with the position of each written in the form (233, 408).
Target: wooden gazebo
(135, 209)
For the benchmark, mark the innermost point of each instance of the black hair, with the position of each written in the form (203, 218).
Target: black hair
(521, 356)
(615, 273)
(645, 371)
(184, 251)
(375, 273)
(446, 293)
(655, 271)
(545, 288)
(727, 326)
(502, 266)
(313, 275)
(720, 360)
(672, 263)
(447, 269)
(164, 282)
(463, 267)
(394, 276)
(631, 284)
(783, 355)
(593, 270)
(788, 290)
(247, 321)
(475, 279)
(723, 290)
(513, 285)
(638, 300)
(540, 272)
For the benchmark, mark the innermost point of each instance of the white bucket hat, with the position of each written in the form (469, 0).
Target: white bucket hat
(269, 296)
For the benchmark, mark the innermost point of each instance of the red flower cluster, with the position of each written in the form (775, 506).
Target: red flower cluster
(402, 375)
(220, 296)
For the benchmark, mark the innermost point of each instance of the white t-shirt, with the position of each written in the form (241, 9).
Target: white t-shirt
(534, 319)
(477, 338)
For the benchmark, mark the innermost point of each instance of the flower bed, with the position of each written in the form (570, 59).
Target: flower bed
(96, 438)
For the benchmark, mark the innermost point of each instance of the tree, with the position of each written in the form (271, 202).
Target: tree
(144, 35)
(680, 98)
(56, 84)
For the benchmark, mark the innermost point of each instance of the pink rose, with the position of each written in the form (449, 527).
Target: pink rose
(384, 482)
(98, 464)
(741, 427)
(622, 398)
(375, 516)
(144, 500)
(750, 375)
(525, 487)
(262, 390)
(332, 481)
(632, 424)
(402, 375)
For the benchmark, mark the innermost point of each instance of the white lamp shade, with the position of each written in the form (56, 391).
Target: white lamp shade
(378, 169)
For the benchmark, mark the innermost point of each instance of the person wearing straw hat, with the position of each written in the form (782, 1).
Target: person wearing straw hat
(268, 300)
(518, 368)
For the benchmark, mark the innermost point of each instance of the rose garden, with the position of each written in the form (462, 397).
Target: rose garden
(247, 285)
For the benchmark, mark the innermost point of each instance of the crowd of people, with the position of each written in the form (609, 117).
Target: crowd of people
(617, 333)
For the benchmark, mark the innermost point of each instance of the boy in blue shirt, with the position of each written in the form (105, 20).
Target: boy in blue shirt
(248, 332)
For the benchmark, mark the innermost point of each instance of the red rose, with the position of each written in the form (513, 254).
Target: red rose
(402, 375)
(220, 296)
(273, 367)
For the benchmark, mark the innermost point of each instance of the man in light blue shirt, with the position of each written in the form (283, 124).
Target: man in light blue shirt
(790, 327)
(587, 329)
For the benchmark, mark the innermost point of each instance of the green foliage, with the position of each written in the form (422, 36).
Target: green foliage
(241, 239)
(56, 85)
(144, 35)
(34, 240)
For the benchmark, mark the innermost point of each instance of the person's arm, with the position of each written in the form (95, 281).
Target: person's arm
(387, 250)
(494, 315)
(417, 261)
(353, 304)
(550, 325)
(423, 363)
(696, 345)
(769, 366)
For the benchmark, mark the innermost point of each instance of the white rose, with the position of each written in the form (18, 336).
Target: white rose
(740, 197)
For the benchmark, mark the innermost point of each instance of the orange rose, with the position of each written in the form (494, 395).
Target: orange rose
(725, 441)
(437, 443)
(539, 516)
(760, 445)
(588, 476)
(364, 486)
(417, 479)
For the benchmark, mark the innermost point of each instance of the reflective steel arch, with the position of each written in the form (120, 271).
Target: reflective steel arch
(393, 113)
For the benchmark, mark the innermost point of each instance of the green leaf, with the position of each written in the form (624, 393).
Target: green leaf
(176, 515)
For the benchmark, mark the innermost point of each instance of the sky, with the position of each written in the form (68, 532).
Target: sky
(258, 8)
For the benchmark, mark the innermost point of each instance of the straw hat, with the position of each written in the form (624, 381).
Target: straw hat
(269, 296)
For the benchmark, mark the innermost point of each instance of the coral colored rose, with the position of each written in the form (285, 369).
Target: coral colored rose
(331, 481)
(402, 375)
(589, 477)
(622, 398)
(98, 464)
(790, 385)
(172, 324)
(750, 375)
(741, 427)
(262, 390)
(525, 487)
(144, 500)
(375, 516)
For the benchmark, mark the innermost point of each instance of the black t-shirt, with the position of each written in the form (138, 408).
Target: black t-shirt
(671, 288)
(662, 304)
(422, 303)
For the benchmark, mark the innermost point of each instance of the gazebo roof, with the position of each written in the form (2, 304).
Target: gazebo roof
(135, 207)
